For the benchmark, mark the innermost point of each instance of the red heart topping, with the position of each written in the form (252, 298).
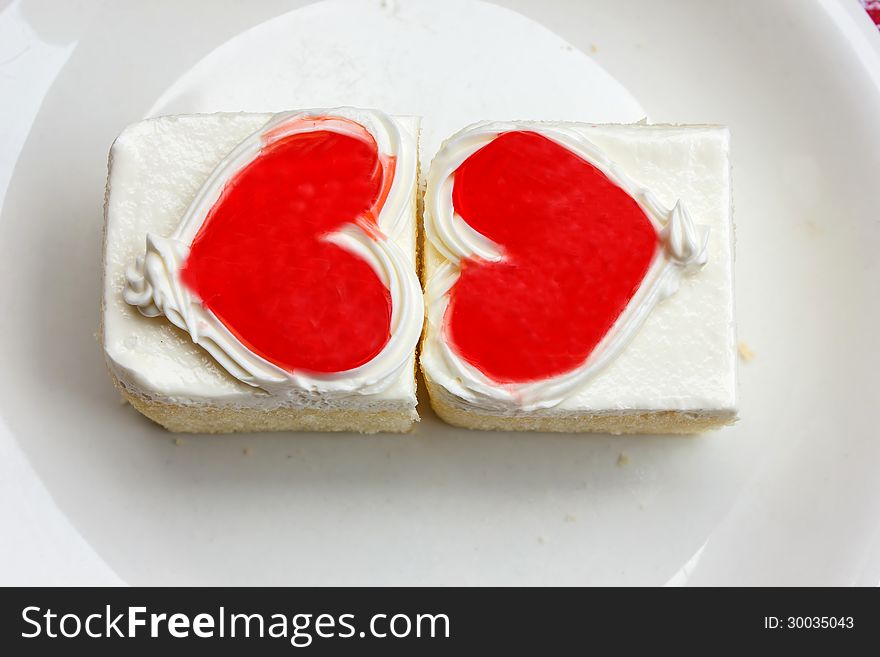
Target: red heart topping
(261, 264)
(575, 249)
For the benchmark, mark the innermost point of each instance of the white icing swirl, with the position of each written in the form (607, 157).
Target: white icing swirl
(153, 283)
(684, 250)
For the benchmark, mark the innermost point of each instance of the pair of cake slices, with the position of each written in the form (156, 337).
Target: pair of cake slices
(261, 272)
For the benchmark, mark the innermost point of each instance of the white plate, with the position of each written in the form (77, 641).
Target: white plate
(92, 493)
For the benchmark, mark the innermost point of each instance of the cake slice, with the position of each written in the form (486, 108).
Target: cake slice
(259, 271)
(579, 277)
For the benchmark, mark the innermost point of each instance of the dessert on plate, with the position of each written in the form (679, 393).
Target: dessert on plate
(579, 277)
(259, 271)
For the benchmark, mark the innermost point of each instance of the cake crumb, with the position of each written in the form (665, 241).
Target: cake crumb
(594, 48)
(123, 401)
(570, 517)
(622, 459)
(745, 352)
(178, 442)
(246, 451)
(812, 228)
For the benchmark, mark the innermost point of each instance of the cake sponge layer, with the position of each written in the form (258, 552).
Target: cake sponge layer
(213, 419)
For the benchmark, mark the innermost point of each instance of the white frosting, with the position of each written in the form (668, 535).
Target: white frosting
(183, 162)
(686, 248)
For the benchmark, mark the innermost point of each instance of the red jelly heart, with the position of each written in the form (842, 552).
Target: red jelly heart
(261, 264)
(575, 249)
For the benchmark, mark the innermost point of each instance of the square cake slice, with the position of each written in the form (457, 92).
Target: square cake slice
(260, 271)
(579, 278)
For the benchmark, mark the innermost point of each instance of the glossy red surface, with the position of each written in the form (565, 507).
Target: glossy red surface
(575, 245)
(261, 264)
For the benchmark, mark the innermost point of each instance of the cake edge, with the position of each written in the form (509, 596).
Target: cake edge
(617, 423)
(209, 419)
